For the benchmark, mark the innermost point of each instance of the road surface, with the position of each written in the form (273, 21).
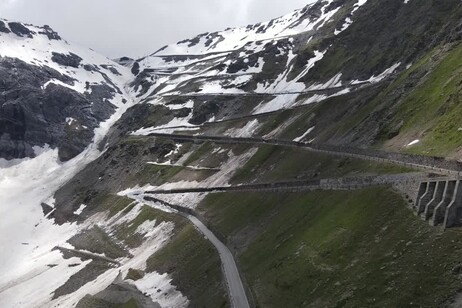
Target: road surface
(236, 290)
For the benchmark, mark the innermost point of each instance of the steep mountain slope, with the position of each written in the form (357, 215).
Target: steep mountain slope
(328, 49)
(58, 102)
(78, 161)
(53, 92)
(270, 58)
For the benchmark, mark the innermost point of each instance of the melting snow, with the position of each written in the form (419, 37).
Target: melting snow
(155, 285)
(298, 139)
(334, 82)
(383, 75)
(220, 178)
(413, 142)
(80, 209)
(247, 131)
(26, 279)
(70, 121)
(176, 124)
(175, 151)
(236, 38)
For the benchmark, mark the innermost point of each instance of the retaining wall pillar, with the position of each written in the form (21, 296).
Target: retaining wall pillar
(454, 209)
(437, 198)
(440, 209)
(423, 187)
(426, 198)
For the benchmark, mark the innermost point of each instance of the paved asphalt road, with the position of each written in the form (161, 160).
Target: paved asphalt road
(236, 289)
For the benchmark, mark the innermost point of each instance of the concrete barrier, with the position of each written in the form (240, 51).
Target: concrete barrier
(425, 198)
(440, 202)
(423, 187)
(437, 198)
(454, 209)
(440, 209)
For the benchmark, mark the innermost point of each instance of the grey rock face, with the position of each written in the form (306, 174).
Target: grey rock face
(71, 59)
(52, 35)
(56, 115)
(20, 30)
(3, 27)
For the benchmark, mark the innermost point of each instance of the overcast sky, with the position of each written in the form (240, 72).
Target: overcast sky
(139, 27)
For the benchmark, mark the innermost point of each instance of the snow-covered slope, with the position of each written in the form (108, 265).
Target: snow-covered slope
(274, 58)
(43, 47)
(310, 18)
(58, 103)
(51, 69)
(199, 57)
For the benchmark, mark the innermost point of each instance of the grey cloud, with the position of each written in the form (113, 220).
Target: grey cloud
(139, 27)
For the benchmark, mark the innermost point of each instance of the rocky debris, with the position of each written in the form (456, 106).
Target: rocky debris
(52, 35)
(20, 30)
(136, 68)
(242, 64)
(46, 208)
(119, 293)
(3, 27)
(90, 67)
(70, 59)
(111, 69)
(203, 112)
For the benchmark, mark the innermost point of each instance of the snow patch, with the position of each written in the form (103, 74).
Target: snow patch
(175, 151)
(247, 131)
(382, 76)
(176, 124)
(70, 121)
(413, 143)
(80, 209)
(156, 285)
(191, 200)
(298, 139)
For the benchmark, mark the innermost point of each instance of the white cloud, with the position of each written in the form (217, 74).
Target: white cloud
(6, 4)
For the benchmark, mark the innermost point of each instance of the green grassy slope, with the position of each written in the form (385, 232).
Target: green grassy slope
(338, 249)
(195, 267)
(273, 163)
(433, 110)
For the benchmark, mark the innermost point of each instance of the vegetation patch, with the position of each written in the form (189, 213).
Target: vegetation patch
(96, 240)
(113, 203)
(134, 274)
(195, 267)
(95, 302)
(433, 109)
(126, 232)
(89, 273)
(203, 149)
(275, 163)
(338, 249)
